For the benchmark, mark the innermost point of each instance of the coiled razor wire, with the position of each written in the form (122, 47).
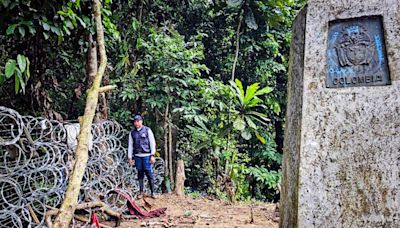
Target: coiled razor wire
(36, 160)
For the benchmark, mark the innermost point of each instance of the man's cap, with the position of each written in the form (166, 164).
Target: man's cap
(137, 117)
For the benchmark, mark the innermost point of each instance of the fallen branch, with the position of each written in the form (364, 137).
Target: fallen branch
(102, 207)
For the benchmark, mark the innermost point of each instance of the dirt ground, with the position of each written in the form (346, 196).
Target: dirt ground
(206, 212)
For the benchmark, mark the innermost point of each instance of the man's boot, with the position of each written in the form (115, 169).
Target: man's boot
(141, 186)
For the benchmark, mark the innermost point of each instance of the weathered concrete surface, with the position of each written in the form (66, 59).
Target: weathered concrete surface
(289, 194)
(348, 154)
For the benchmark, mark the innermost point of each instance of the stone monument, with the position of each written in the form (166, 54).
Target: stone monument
(341, 163)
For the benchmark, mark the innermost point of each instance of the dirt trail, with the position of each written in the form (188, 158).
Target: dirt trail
(204, 212)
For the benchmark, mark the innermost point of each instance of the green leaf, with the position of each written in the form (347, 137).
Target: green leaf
(46, 26)
(69, 24)
(21, 83)
(55, 30)
(81, 22)
(262, 139)
(62, 13)
(234, 3)
(32, 30)
(264, 91)
(250, 92)
(46, 35)
(135, 24)
(2, 78)
(10, 68)
(27, 72)
(276, 107)
(5, 3)
(239, 124)
(21, 31)
(251, 123)
(260, 117)
(237, 90)
(21, 62)
(246, 135)
(240, 86)
(10, 29)
(254, 102)
(16, 84)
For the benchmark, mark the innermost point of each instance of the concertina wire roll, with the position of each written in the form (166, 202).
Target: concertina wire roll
(36, 156)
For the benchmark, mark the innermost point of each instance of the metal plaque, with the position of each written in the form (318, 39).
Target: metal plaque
(356, 53)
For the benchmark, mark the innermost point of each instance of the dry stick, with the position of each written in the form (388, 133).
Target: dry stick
(33, 214)
(70, 202)
(251, 214)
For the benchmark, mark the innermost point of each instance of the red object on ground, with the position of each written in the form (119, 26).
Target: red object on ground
(95, 220)
(134, 209)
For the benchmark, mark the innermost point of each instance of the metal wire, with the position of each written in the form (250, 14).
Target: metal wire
(36, 160)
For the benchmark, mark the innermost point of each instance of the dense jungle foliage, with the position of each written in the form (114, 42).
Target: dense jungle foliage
(209, 76)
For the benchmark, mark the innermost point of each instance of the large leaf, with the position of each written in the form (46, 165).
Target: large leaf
(254, 102)
(239, 124)
(240, 86)
(250, 92)
(250, 122)
(264, 91)
(21, 62)
(10, 67)
(262, 139)
(237, 91)
(260, 117)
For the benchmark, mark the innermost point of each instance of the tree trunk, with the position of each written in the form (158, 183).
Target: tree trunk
(166, 154)
(180, 178)
(91, 67)
(171, 159)
(69, 204)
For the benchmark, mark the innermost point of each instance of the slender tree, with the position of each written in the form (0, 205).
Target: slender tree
(68, 207)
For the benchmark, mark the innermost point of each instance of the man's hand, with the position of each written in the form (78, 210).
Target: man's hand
(152, 159)
(131, 162)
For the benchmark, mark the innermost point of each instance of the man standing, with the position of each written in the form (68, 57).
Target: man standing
(142, 146)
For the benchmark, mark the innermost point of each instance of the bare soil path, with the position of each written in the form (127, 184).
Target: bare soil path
(205, 212)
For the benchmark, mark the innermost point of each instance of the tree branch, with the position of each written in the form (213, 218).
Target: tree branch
(107, 88)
